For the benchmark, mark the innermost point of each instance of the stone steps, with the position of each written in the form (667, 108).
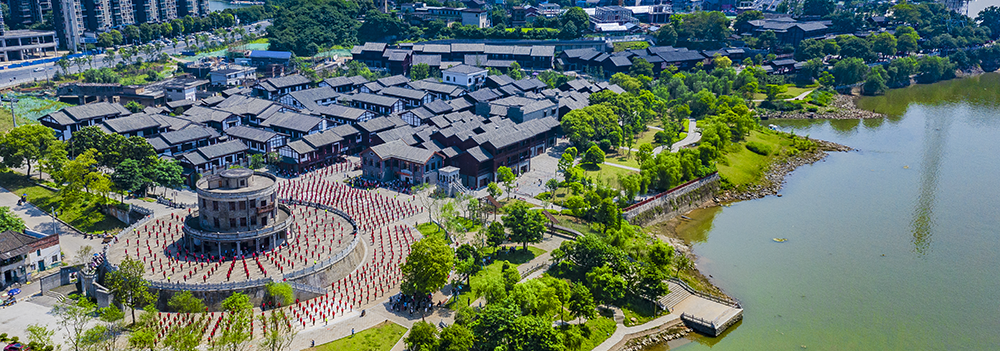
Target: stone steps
(674, 297)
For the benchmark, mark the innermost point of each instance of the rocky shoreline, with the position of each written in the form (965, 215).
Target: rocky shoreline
(844, 107)
(774, 178)
(639, 344)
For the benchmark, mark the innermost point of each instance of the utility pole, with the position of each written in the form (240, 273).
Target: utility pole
(10, 97)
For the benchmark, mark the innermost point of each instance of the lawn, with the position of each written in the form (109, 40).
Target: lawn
(575, 223)
(594, 331)
(7, 123)
(381, 337)
(527, 29)
(642, 310)
(792, 91)
(621, 157)
(743, 167)
(85, 216)
(646, 137)
(605, 173)
(430, 229)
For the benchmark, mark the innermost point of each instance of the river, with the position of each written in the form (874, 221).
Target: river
(894, 246)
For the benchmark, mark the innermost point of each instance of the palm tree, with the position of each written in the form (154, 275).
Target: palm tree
(64, 64)
(126, 54)
(79, 62)
(90, 60)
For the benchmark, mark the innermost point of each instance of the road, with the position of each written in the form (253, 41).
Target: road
(693, 136)
(15, 76)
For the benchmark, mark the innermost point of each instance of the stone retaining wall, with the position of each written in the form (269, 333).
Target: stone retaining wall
(673, 202)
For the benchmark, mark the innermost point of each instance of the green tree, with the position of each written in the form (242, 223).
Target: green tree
(581, 302)
(745, 17)
(817, 7)
(235, 327)
(185, 302)
(774, 90)
(854, 47)
(40, 334)
(666, 35)
(27, 144)
(884, 43)
(280, 293)
(606, 286)
(426, 269)
(134, 106)
(849, 71)
(495, 234)
(552, 185)
(641, 67)
(526, 226)
(10, 221)
(514, 71)
(423, 337)
(456, 337)
(875, 84)
(907, 43)
(681, 263)
(420, 71)
(644, 154)
(493, 189)
(506, 177)
(73, 314)
(990, 18)
(594, 156)
(129, 286)
(131, 175)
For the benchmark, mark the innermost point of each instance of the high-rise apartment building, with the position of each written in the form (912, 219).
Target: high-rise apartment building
(97, 15)
(168, 9)
(146, 11)
(121, 13)
(69, 22)
(25, 12)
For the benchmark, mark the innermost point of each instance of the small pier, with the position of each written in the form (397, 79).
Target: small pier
(706, 314)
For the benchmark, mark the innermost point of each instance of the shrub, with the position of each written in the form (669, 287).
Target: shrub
(813, 109)
(758, 148)
(661, 137)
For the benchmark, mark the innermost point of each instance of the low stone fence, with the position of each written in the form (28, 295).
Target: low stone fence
(670, 203)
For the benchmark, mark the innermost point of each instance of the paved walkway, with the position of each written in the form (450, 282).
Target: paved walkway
(622, 166)
(693, 136)
(800, 97)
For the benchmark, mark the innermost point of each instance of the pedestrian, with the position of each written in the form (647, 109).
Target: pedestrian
(352, 331)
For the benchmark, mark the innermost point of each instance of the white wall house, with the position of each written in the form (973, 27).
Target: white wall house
(468, 77)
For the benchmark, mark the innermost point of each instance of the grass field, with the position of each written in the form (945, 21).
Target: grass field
(646, 137)
(594, 331)
(743, 167)
(531, 29)
(793, 91)
(630, 45)
(575, 223)
(381, 337)
(85, 216)
(605, 173)
(621, 157)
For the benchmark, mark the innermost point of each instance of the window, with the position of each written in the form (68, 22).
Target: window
(243, 222)
(263, 203)
(215, 206)
(232, 222)
(232, 206)
(55, 258)
(263, 221)
(204, 203)
(253, 203)
(243, 205)
(253, 220)
(216, 221)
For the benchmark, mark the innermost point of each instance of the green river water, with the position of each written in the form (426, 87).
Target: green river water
(895, 246)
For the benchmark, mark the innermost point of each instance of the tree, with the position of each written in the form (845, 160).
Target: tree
(875, 84)
(279, 332)
(907, 43)
(581, 302)
(849, 71)
(666, 35)
(641, 67)
(506, 177)
(27, 144)
(721, 61)
(235, 327)
(495, 234)
(74, 313)
(426, 269)
(577, 17)
(552, 185)
(493, 189)
(10, 221)
(130, 175)
(644, 154)
(990, 18)
(420, 71)
(280, 293)
(526, 226)
(456, 337)
(129, 286)
(185, 302)
(606, 286)
(134, 106)
(745, 17)
(40, 334)
(817, 7)
(594, 156)
(884, 44)
(423, 337)
(774, 90)
(681, 262)
(514, 71)
(854, 47)
(565, 161)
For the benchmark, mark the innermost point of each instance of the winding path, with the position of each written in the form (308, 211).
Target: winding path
(693, 136)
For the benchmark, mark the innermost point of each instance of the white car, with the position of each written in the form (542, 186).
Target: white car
(39, 69)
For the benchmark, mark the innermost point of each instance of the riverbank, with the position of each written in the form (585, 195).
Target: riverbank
(774, 177)
(842, 107)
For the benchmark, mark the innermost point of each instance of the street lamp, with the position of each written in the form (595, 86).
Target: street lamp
(13, 100)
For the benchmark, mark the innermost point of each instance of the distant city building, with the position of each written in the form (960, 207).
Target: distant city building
(419, 13)
(76, 20)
